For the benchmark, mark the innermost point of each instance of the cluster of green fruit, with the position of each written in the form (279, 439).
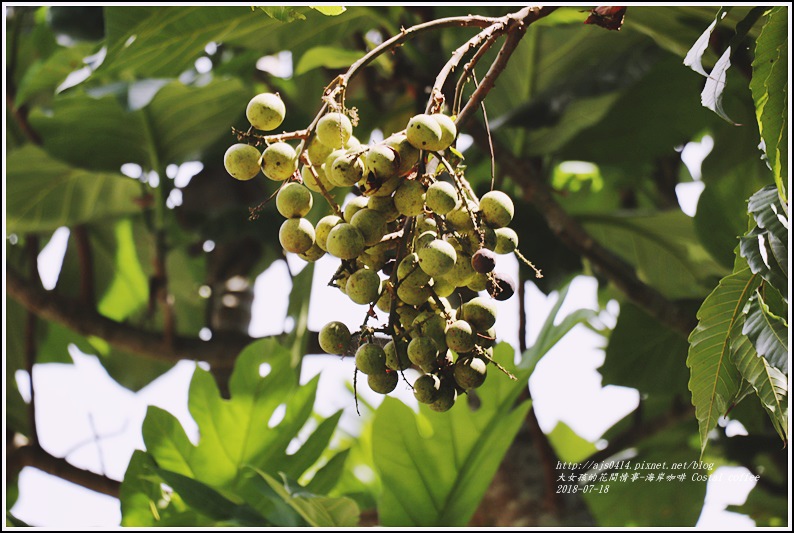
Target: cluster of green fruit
(408, 244)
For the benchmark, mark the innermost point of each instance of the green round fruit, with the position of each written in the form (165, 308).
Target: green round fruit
(424, 238)
(371, 224)
(413, 294)
(425, 223)
(397, 354)
(382, 161)
(383, 383)
(384, 205)
(480, 313)
(506, 241)
(461, 272)
(448, 131)
(294, 200)
(443, 287)
(345, 241)
(335, 338)
(460, 219)
(408, 155)
(431, 325)
(363, 286)
(279, 161)
(478, 282)
(424, 132)
(313, 254)
(426, 388)
(334, 130)
(318, 152)
(296, 235)
(422, 351)
(266, 111)
(324, 227)
(311, 183)
(353, 206)
(371, 359)
(447, 394)
(242, 161)
(410, 273)
(437, 258)
(409, 198)
(441, 197)
(497, 209)
(346, 170)
(470, 372)
(460, 336)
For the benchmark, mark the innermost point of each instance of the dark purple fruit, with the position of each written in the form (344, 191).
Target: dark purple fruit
(483, 261)
(500, 286)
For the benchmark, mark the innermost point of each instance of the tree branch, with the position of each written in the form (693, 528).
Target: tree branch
(36, 457)
(570, 232)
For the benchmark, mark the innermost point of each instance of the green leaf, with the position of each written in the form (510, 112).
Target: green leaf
(331, 57)
(768, 212)
(663, 247)
(298, 310)
(139, 493)
(283, 13)
(45, 194)
(318, 511)
(569, 446)
(769, 86)
(330, 11)
(200, 497)
(756, 248)
(47, 75)
(645, 355)
(768, 333)
(695, 55)
(436, 467)
(714, 381)
(327, 477)
(769, 383)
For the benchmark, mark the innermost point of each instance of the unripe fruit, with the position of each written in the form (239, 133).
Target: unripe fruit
(470, 372)
(324, 227)
(460, 219)
(371, 224)
(296, 235)
(382, 161)
(279, 161)
(478, 282)
(423, 132)
(437, 258)
(460, 336)
(500, 286)
(424, 238)
(363, 286)
(345, 241)
(407, 154)
(242, 161)
(353, 206)
(410, 273)
(431, 325)
(266, 111)
(441, 197)
(413, 294)
(383, 383)
(371, 359)
(461, 272)
(443, 287)
(426, 388)
(335, 338)
(318, 152)
(373, 186)
(310, 182)
(448, 131)
(334, 130)
(480, 313)
(506, 241)
(447, 394)
(409, 198)
(312, 254)
(397, 354)
(346, 170)
(384, 302)
(384, 205)
(422, 351)
(293, 200)
(425, 223)
(483, 261)
(497, 209)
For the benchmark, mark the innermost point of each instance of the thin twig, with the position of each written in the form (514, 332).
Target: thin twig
(488, 132)
(468, 69)
(31, 346)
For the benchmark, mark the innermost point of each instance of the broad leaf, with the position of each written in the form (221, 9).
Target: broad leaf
(768, 333)
(695, 55)
(663, 247)
(756, 248)
(714, 381)
(769, 383)
(435, 467)
(46, 76)
(568, 446)
(768, 212)
(45, 193)
(318, 511)
(330, 11)
(769, 86)
(331, 57)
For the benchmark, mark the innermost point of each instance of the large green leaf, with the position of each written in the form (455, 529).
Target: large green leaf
(663, 247)
(645, 355)
(769, 85)
(714, 381)
(318, 511)
(769, 383)
(46, 76)
(768, 212)
(435, 467)
(768, 333)
(331, 57)
(45, 193)
(757, 248)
